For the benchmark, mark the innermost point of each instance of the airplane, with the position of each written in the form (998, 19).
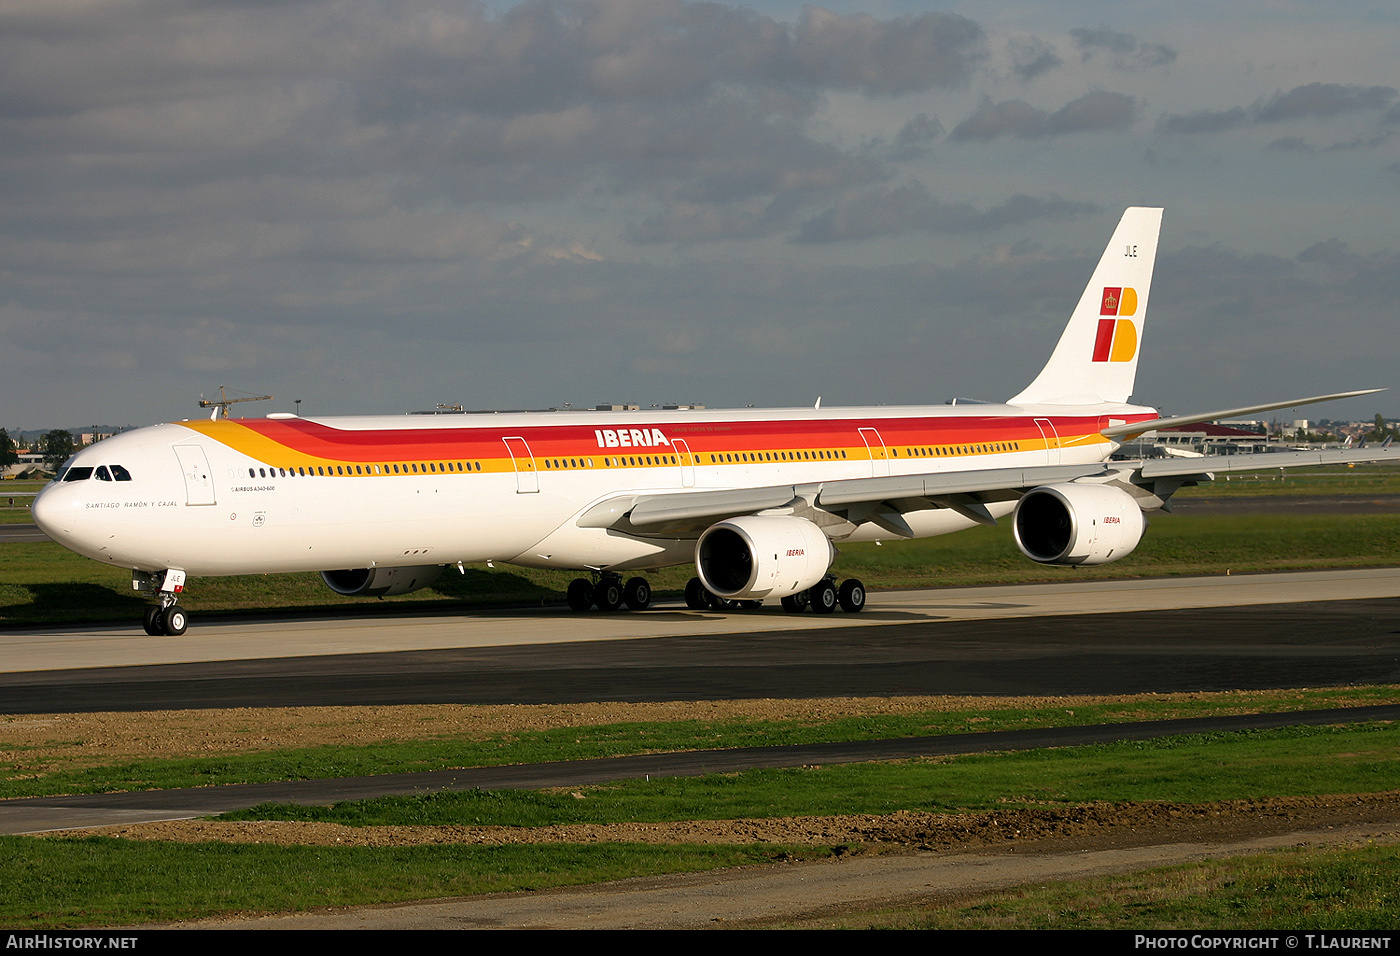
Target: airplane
(758, 500)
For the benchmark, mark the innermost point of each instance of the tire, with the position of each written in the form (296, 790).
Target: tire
(608, 595)
(852, 596)
(823, 597)
(796, 603)
(637, 594)
(696, 597)
(176, 620)
(579, 595)
(722, 604)
(154, 621)
(751, 605)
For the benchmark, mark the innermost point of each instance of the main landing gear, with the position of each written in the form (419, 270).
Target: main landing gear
(822, 597)
(166, 619)
(607, 592)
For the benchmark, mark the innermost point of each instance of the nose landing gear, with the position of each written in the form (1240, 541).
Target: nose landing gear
(167, 619)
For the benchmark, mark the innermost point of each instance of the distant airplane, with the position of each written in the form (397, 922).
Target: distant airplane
(757, 500)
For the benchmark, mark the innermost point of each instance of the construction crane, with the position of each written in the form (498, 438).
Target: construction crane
(220, 407)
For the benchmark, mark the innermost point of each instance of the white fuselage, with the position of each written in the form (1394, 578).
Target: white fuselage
(290, 494)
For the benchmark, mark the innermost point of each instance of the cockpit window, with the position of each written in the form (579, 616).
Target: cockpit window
(103, 474)
(120, 473)
(77, 474)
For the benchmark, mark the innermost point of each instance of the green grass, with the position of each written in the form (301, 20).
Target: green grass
(1293, 761)
(21, 492)
(98, 881)
(49, 772)
(1380, 478)
(43, 583)
(1174, 545)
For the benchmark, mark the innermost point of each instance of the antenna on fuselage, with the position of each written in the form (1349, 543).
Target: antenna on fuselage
(221, 406)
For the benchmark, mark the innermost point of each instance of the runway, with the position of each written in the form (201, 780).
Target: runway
(21, 533)
(1186, 634)
(1288, 630)
(241, 639)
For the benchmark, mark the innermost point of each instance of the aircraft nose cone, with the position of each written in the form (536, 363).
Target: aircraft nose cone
(54, 513)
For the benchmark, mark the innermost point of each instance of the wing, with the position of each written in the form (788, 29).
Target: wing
(1137, 428)
(884, 501)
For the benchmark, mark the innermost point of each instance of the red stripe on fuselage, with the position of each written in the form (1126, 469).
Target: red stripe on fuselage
(400, 444)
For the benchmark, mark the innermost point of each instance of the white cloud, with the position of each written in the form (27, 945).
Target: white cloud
(360, 200)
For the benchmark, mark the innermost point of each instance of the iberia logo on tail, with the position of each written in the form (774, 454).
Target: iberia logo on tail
(1117, 337)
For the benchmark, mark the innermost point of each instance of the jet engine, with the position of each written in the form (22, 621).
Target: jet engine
(762, 556)
(378, 582)
(1077, 524)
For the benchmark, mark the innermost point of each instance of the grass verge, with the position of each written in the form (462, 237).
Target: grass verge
(97, 881)
(36, 764)
(1291, 761)
(100, 881)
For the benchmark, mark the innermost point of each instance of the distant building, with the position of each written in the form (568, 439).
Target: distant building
(29, 465)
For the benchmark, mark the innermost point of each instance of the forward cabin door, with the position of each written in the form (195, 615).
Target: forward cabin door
(199, 480)
(527, 479)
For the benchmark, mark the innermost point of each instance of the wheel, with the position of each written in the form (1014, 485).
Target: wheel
(579, 595)
(176, 620)
(607, 594)
(852, 595)
(751, 605)
(696, 597)
(637, 594)
(823, 597)
(796, 603)
(721, 604)
(154, 621)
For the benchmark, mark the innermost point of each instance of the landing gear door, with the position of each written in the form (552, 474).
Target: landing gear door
(527, 479)
(199, 480)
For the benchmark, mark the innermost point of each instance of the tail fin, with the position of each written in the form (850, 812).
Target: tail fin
(1096, 358)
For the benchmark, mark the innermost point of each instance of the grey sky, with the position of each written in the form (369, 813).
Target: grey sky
(379, 206)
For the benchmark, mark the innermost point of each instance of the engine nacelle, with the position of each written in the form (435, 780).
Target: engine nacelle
(762, 556)
(378, 582)
(1077, 524)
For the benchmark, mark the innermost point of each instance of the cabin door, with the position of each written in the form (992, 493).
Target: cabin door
(527, 479)
(1052, 440)
(879, 456)
(686, 460)
(199, 480)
